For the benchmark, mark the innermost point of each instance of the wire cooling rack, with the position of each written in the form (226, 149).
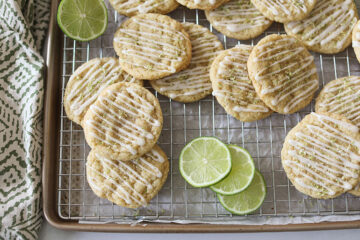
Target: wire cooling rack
(183, 122)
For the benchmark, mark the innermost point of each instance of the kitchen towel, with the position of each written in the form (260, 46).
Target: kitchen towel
(23, 25)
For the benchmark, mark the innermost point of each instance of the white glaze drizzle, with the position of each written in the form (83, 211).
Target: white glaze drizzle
(114, 171)
(356, 41)
(287, 85)
(238, 15)
(138, 6)
(332, 150)
(337, 26)
(149, 46)
(281, 6)
(212, 2)
(232, 71)
(118, 129)
(194, 79)
(343, 98)
(98, 76)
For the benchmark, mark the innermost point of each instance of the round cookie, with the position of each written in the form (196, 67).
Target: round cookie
(356, 40)
(341, 96)
(133, 7)
(233, 88)
(129, 184)
(283, 73)
(193, 83)
(151, 46)
(238, 19)
(328, 27)
(285, 11)
(124, 122)
(321, 155)
(86, 83)
(202, 4)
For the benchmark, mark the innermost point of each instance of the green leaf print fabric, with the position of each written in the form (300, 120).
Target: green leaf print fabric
(23, 25)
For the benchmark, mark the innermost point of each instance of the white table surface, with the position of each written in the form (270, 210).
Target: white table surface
(49, 232)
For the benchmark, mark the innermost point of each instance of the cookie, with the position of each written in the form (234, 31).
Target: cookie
(321, 155)
(285, 11)
(151, 46)
(328, 27)
(124, 122)
(341, 96)
(202, 4)
(283, 73)
(356, 40)
(233, 88)
(130, 184)
(355, 191)
(86, 83)
(193, 83)
(238, 19)
(133, 7)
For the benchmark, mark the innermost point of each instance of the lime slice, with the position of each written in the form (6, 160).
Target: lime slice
(205, 161)
(248, 200)
(82, 20)
(241, 175)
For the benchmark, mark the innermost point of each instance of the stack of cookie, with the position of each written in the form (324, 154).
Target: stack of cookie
(174, 57)
(122, 122)
(278, 74)
(321, 155)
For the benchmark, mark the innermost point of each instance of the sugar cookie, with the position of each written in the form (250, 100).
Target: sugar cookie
(321, 155)
(193, 83)
(238, 19)
(86, 83)
(233, 88)
(124, 122)
(152, 46)
(328, 28)
(129, 184)
(283, 73)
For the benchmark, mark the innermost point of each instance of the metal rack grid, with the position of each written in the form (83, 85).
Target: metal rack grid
(183, 122)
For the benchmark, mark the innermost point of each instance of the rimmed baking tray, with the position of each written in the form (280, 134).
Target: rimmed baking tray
(70, 204)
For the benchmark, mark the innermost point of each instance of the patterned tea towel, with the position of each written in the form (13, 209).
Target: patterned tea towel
(23, 25)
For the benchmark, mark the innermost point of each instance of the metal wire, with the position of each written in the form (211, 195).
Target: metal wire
(183, 122)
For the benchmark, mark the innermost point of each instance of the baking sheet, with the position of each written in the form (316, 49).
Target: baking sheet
(177, 201)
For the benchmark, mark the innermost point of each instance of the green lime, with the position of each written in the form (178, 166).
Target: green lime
(82, 20)
(248, 200)
(204, 161)
(241, 175)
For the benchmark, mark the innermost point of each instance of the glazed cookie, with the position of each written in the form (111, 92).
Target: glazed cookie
(238, 19)
(129, 184)
(193, 83)
(152, 46)
(285, 11)
(233, 88)
(202, 4)
(356, 40)
(328, 28)
(283, 73)
(321, 155)
(124, 122)
(86, 83)
(341, 96)
(133, 7)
